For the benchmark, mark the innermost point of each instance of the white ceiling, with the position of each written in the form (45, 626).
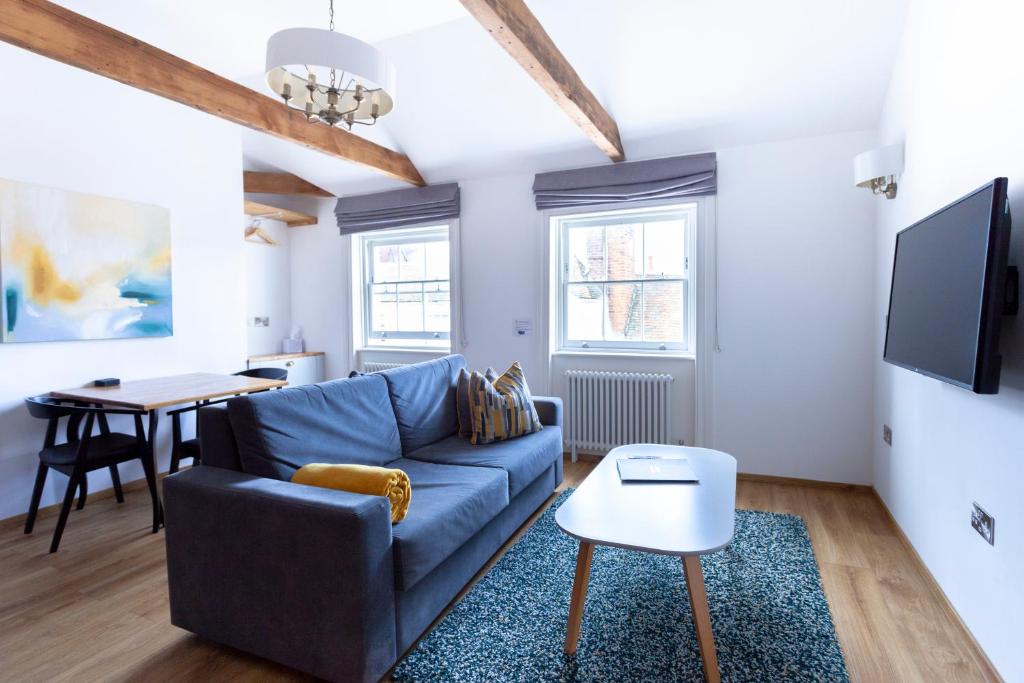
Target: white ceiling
(676, 75)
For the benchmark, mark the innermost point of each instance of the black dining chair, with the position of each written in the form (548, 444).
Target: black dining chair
(83, 452)
(189, 448)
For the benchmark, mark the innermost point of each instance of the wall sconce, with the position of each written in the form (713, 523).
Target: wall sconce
(878, 169)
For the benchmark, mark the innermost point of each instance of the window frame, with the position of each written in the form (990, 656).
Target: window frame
(415, 341)
(560, 224)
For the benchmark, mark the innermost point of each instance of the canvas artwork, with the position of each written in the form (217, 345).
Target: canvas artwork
(80, 266)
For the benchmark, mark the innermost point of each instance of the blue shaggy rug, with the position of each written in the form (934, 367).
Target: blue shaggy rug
(768, 611)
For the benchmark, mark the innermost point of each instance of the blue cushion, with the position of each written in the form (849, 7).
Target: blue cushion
(343, 421)
(449, 505)
(523, 457)
(423, 397)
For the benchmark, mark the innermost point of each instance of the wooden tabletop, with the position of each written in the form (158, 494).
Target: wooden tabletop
(159, 392)
(661, 517)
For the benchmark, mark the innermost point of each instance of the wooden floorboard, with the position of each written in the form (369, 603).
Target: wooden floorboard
(97, 610)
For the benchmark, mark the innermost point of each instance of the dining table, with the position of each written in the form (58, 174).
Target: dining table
(150, 395)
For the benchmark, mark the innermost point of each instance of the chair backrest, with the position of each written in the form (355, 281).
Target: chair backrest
(53, 409)
(265, 373)
(47, 408)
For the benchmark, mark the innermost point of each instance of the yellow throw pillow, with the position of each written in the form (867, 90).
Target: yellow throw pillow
(372, 481)
(502, 409)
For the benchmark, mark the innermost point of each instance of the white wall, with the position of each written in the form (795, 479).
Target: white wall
(796, 249)
(268, 289)
(320, 289)
(793, 379)
(956, 100)
(116, 141)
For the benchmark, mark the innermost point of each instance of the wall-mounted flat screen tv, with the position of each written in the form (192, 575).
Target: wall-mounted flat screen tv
(948, 288)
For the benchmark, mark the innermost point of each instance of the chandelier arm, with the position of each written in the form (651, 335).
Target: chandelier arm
(339, 112)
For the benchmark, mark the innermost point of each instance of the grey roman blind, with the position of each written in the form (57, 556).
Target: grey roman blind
(396, 208)
(633, 181)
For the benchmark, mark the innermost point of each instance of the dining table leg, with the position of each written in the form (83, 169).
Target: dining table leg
(701, 616)
(151, 475)
(579, 596)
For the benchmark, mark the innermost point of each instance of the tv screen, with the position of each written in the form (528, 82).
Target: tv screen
(948, 281)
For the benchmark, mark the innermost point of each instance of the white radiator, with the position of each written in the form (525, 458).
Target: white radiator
(608, 409)
(377, 367)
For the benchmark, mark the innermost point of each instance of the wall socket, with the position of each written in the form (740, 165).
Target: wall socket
(887, 434)
(261, 321)
(984, 524)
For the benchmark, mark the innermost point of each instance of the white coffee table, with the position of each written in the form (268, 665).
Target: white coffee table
(687, 520)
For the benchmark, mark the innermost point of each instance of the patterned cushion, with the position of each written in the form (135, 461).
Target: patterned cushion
(462, 399)
(502, 409)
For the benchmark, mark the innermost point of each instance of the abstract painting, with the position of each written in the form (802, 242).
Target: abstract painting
(80, 266)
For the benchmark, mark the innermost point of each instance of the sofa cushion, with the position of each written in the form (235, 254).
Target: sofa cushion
(523, 459)
(449, 505)
(342, 421)
(423, 398)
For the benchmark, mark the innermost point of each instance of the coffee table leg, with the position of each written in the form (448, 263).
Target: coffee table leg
(579, 596)
(701, 616)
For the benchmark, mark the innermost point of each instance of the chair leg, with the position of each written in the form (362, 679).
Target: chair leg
(83, 491)
(65, 510)
(115, 478)
(37, 494)
(175, 461)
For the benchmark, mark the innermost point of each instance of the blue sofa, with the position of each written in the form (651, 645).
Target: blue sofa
(318, 579)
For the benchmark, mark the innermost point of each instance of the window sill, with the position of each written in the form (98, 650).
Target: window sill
(432, 351)
(614, 353)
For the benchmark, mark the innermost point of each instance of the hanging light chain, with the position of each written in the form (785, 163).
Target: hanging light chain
(331, 26)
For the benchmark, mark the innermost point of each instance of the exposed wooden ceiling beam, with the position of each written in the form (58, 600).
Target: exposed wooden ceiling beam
(280, 183)
(516, 29)
(58, 33)
(293, 219)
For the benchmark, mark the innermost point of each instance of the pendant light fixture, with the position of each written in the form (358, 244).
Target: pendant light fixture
(330, 77)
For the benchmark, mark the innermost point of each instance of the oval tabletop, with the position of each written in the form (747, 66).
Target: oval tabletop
(658, 517)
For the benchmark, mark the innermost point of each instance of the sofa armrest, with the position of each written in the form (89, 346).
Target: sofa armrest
(217, 445)
(298, 574)
(549, 409)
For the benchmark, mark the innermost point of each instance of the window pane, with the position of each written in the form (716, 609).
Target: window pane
(410, 307)
(438, 309)
(385, 263)
(586, 254)
(623, 311)
(663, 311)
(625, 252)
(410, 263)
(437, 260)
(584, 312)
(383, 311)
(665, 248)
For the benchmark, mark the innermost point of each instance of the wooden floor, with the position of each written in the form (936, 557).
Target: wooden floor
(97, 610)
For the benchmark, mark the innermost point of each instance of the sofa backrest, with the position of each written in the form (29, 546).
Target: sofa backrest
(342, 421)
(423, 398)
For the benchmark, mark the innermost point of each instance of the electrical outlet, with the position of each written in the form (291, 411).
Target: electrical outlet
(887, 434)
(261, 321)
(984, 524)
